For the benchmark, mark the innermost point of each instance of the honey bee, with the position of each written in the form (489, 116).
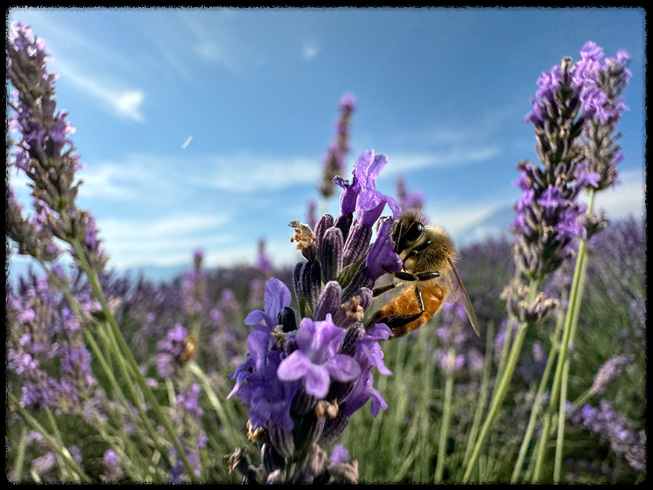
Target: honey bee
(428, 256)
(190, 348)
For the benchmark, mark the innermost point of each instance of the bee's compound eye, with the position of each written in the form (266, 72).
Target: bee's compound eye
(414, 232)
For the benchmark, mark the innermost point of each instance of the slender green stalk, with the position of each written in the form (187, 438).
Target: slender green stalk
(574, 303)
(582, 260)
(425, 412)
(54, 444)
(502, 388)
(482, 395)
(537, 403)
(226, 416)
(108, 371)
(503, 356)
(446, 420)
(57, 436)
(129, 359)
(20, 456)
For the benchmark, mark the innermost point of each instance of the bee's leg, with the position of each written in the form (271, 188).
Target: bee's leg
(427, 276)
(395, 322)
(420, 300)
(383, 289)
(409, 276)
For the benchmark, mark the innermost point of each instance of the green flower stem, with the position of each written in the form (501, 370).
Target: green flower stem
(20, 456)
(574, 303)
(226, 416)
(503, 356)
(99, 356)
(123, 401)
(502, 388)
(57, 436)
(424, 411)
(54, 444)
(577, 404)
(108, 371)
(482, 395)
(537, 403)
(446, 420)
(572, 336)
(129, 359)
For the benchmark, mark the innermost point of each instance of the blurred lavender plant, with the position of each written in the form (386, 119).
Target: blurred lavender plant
(264, 270)
(45, 154)
(408, 200)
(334, 161)
(617, 429)
(311, 219)
(303, 383)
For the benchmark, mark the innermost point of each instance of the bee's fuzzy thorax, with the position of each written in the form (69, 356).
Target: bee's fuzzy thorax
(442, 241)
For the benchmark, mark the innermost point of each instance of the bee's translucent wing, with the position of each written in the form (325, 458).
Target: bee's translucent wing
(464, 299)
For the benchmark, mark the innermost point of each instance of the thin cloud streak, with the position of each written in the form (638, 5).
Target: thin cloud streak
(163, 241)
(402, 162)
(125, 103)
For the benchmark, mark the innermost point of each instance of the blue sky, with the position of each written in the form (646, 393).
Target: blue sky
(206, 128)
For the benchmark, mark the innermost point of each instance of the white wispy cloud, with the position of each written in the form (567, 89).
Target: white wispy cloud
(402, 162)
(249, 173)
(455, 217)
(130, 179)
(125, 103)
(623, 200)
(169, 240)
(186, 142)
(67, 47)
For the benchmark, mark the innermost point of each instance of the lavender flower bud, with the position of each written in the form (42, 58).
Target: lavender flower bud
(331, 254)
(357, 243)
(608, 371)
(361, 280)
(310, 282)
(287, 319)
(354, 333)
(281, 440)
(343, 222)
(333, 427)
(515, 297)
(323, 224)
(296, 281)
(308, 430)
(272, 460)
(328, 301)
(303, 403)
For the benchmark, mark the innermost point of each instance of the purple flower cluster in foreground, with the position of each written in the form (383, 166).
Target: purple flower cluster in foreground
(303, 381)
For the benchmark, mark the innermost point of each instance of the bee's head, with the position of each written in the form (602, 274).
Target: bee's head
(408, 230)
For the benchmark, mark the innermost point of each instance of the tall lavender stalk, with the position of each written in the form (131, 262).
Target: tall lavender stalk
(46, 156)
(550, 219)
(602, 82)
(333, 163)
(304, 380)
